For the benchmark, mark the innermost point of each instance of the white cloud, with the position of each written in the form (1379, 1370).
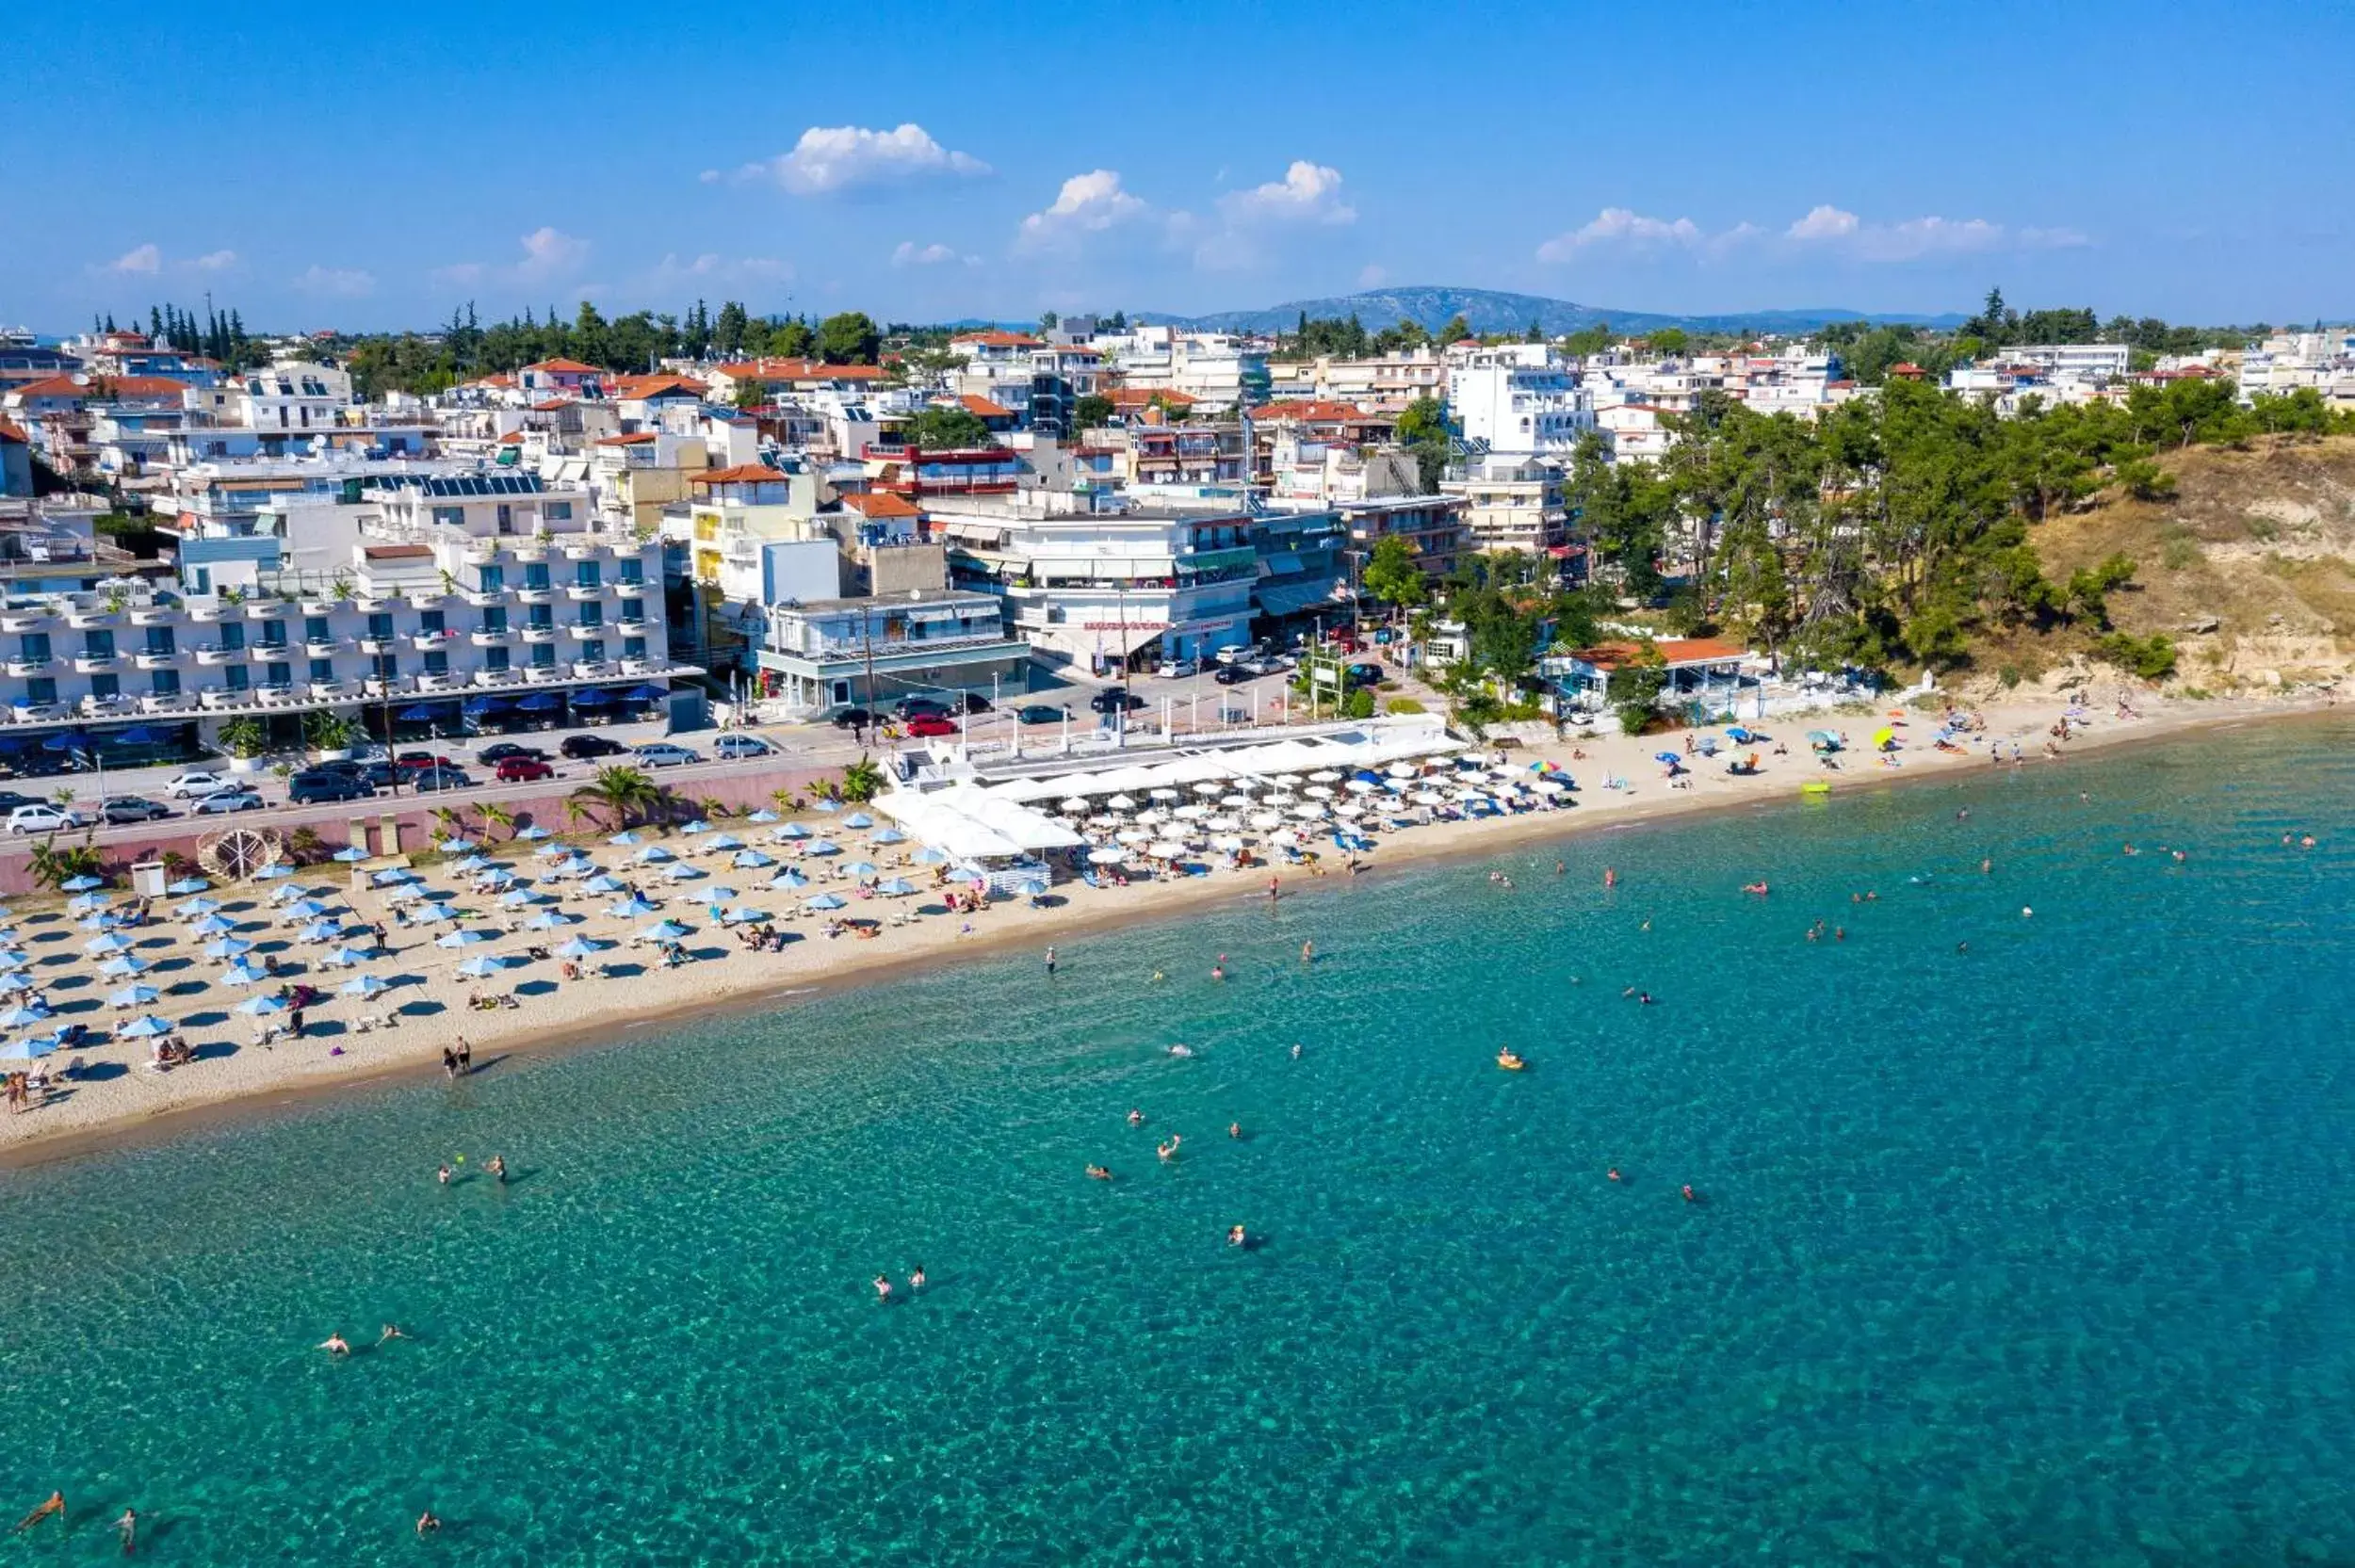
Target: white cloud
(1088, 203)
(1913, 238)
(710, 176)
(1373, 275)
(1622, 226)
(2055, 239)
(908, 254)
(549, 256)
(147, 260)
(832, 158)
(336, 283)
(1308, 193)
(1823, 221)
(672, 273)
(215, 261)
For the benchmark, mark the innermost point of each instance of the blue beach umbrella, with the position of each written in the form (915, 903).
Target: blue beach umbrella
(483, 966)
(697, 826)
(741, 916)
(861, 868)
(101, 921)
(27, 1049)
(580, 947)
(829, 805)
(549, 920)
(433, 914)
(965, 874)
(265, 1003)
(629, 909)
(790, 832)
(348, 956)
(897, 887)
(519, 897)
(889, 836)
(188, 885)
(461, 938)
(323, 931)
(663, 930)
(24, 1016)
(534, 834)
(143, 1029)
(392, 875)
(604, 884)
(81, 884)
(214, 925)
(108, 946)
(683, 872)
(788, 879)
(822, 846)
(124, 967)
(228, 948)
(750, 860)
(16, 957)
(350, 853)
(458, 845)
(1032, 889)
(404, 893)
(89, 903)
(653, 854)
(858, 819)
(930, 856)
(309, 909)
(624, 838)
(824, 901)
(274, 873)
(133, 996)
(763, 815)
(363, 986)
(724, 843)
(471, 864)
(242, 973)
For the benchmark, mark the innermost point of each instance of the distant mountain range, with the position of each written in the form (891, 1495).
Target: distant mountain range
(1492, 311)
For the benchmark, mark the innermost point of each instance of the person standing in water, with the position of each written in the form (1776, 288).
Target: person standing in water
(915, 1280)
(128, 1529)
(883, 1290)
(1050, 961)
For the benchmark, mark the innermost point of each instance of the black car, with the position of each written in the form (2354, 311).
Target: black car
(908, 707)
(376, 775)
(853, 718)
(1041, 712)
(1114, 699)
(1234, 674)
(580, 747)
(131, 808)
(1362, 675)
(976, 702)
(503, 750)
(319, 784)
(425, 779)
(10, 800)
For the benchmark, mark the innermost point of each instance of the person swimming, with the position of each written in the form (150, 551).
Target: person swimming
(1182, 1049)
(915, 1280)
(335, 1345)
(1610, 878)
(1168, 1149)
(1307, 952)
(1758, 888)
(392, 1330)
(1218, 970)
(1295, 1051)
(1100, 1173)
(1236, 1236)
(1612, 1174)
(427, 1523)
(1158, 978)
(1689, 1195)
(54, 1504)
(883, 1290)
(1136, 1118)
(1234, 1130)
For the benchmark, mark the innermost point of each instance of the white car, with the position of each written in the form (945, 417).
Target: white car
(1230, 653)
(47, 819)
(1175, 670)
(195, 786)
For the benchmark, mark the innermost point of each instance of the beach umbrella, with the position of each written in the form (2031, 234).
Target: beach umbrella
(350, 853)
(534, 834)
(518, 898)
(724, 843)
(108, 946)
(309, 909)
(1106, 855)
(469, 865)
(188, 885)
(858, 819)
(1191, 812)
(89, 903)
(822, 846)
(604, 884)
(363, 986)
(1397, 786)
(788, 879)
(1236, 801)
(790, 832)
(227, 948)
(683, 872)
(81, 884)
(273, 873)
(458, 845)
(1132, 835)
(629, 909)
(287, 895)
(498, 876)
(1361, 785)
(897, 887)
(1883, 738)
(102, 922)
(580, 947)
(740, 915)
(829, 805)
(861, 868)
(549, 920)
(1075, 806)
(1228, 842)
(1165, 850)
(124, 967)
(1266, 819)
(763, 815)
(321, 930)
(663, 930)
(1308, 809)
(262, 1004)
(133, 996)
(750, 860)
(15, 958)
(1034, 888)
(1163, 794)
(823, 902)
(554, 851)
(930, 856)
(1122, 802)
(405, 893)
(1318, 792)
(242, 973)
(697, 826)
(481, 966)
(653, 854)
(349, 956)
(24, 1016)
(143, 1029)
(622, 839)
(1224, 825)
(461, 938)
(27, 1049)
(392, 876)
(1428, 797)
(433, 914)
(214, 925)
(889, 836)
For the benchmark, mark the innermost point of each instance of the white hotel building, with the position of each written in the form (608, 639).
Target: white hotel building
(440, 604)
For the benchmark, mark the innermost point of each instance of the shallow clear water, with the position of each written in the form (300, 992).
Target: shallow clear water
(2029, 1254)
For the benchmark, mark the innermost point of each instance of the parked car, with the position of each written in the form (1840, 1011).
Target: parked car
(662, 754)
(501, 751)
(10, 800)
(223, 802)
(378, 774)
(521, 771)
(316, 785)
(976, 702)
(735, 747)
(1229, 653)
(581, 748)
(1362, 675)
(853, 718)
(1175, 670)
(1116, 699)
(122, 809)
(423, 759)
(925, 725)
(908, 707)
(1235, 674)
(425, 779)
(40, 818)
(192, 786)
(1041, 712)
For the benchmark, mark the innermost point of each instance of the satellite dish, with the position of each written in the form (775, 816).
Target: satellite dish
(81, 378)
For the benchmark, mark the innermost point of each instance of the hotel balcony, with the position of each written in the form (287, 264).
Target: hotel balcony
(149, 659)
(483, 637)
(153, 615)
(23, 620)
(510, 676)
(543, 674)
(198, 609)
(323, 647)
(640, 667)
(594, 669)
(106, 707)
(581, 631)
(95, 664)
(377, 646)
(270, 653)
(539, 634)
(443, 682)
(482, 598)
(26, 713)
(426, 642)
(333, 691)
(630, 628)
(264, 609)
(82, 619)
(31, 666)
(584, 593)
(535, 596)
(166, 701)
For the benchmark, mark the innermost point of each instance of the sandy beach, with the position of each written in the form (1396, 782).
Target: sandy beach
(116, 1096)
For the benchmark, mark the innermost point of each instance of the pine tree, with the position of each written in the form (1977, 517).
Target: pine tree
(154, 325)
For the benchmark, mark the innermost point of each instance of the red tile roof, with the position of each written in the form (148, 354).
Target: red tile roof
(636, 438)
(1684, 650)
(98, 389)
(566, 367)
(395, 552)
(552, 405)
(1138, 397)
(1310, 409)
(994, 339)
(742, 474)
(656, 386)
(10, 432)
(876, 503)
(983, 408)
(511, 435)
(798, 370)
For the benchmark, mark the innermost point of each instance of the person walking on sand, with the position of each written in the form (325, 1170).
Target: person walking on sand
(54, 1505)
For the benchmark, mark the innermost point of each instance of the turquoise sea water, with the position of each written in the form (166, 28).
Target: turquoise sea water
(2030, 1253)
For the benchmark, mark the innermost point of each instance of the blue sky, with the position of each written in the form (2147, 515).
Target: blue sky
(373, 167)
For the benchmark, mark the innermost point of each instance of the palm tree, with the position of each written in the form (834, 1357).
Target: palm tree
(786, 800)
(575, 811)
(625, 792)
(496, 816)
(862, 781)
(449, 821)
(52, 867)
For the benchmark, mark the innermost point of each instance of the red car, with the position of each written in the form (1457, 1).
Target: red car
(522, 769)
(408, 760)
(925, 725)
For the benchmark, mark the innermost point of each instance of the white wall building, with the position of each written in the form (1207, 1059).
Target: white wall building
(1520, 410)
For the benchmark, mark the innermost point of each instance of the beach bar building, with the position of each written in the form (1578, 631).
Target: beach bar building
(1698, 668)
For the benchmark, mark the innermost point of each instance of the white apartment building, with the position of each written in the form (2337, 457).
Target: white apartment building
(1510, 504)
(1383, 384)
(2097, 362)
(820, 654)
(1105, 588)
(1520, 409)
(1221, 371)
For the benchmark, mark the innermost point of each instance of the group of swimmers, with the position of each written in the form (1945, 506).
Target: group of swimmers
(884, 1294)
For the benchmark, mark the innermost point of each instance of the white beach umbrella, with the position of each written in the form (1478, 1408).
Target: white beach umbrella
(1318, 792)
(1164, 795)
(1166, 849)
(1325, 775)
(1266, 819)
(1308, 810)
(1107, 856)
(1122, 802)
(1076, 805)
